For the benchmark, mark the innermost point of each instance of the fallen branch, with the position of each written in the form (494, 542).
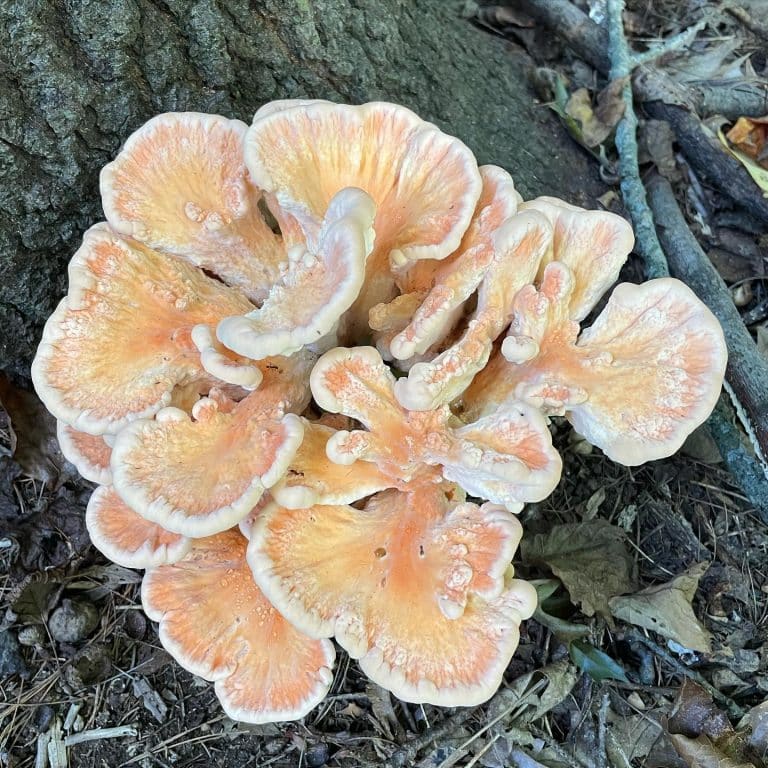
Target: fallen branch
(709, 159)
(747, 372)
(632, 189)
(742, 464)
(734, 710)
(590, 42)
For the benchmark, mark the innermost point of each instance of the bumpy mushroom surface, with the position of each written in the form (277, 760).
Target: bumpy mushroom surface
(127, 538)
(635, 383)
(315, 289)
(201, 474)
(418, 589)
(303, 152)
(180, 186)
(282, 488)
(508, 459)
(120, 343)
(216, 623)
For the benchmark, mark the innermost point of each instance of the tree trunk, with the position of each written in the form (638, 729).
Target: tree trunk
(77, 76)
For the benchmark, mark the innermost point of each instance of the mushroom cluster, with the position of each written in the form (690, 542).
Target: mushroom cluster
(311, 363)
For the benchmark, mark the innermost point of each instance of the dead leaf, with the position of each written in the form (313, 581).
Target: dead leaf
(594, 503)
(597, 123)
(591, 559)
(757, 172)
(33, 432)
(632, 738)
(695, 713)
(532, 695)
(701, 753)
(701, 446)
(750, 136)
(383, 711)
(715, 62)
(656, 145)
(757, 721)
(666, 609)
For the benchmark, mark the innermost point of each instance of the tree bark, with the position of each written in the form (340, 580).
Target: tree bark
(78, 76)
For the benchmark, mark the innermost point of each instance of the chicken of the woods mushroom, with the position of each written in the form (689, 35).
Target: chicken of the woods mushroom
(310, 364)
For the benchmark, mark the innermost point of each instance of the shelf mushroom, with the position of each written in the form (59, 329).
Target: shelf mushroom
(419, 588)
(198, 373)
(263, 668)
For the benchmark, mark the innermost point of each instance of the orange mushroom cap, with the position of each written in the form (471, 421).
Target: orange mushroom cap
(515, 250)
(508, 460)
(457, 279)
(217, 624)
(636, 383)
(180, 186)
(201, 475)
(417, 588)
(593, 244)
(312, 478)
(120, 342)
(127, 538)
(424, 183)
(89, 453)
(316, 287)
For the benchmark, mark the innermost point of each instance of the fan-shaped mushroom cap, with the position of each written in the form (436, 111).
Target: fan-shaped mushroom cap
(180, 186)
(201, 475)
(417, 591)
(120, 341)
(509, 457)
(458, 279)
(593, 244)
(316, 287)
(514, 252)
(506, 457)
(89, 453)
(388, 320)
(636, 383)
(127, 538)
(313, 478)
(217, 624)
(424, 183)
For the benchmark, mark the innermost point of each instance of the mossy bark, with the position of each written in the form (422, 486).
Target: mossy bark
(77, 76)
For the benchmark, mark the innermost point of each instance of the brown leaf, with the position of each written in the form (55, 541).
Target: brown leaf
(597, 123)
(750, 135)
(33, 438)
(701, 753)
(666, 609)
(656, 140)
(694, 713)
(591, 559)
(757, 721)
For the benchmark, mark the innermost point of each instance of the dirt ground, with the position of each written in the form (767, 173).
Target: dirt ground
(650, 647)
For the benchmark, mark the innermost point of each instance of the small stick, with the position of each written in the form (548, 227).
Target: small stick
(97, 734)
(674, 43)
(590, 42)
(733, 708)
(632, 189)
(747, 372)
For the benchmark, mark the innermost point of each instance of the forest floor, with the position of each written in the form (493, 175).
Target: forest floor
(650, 645)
